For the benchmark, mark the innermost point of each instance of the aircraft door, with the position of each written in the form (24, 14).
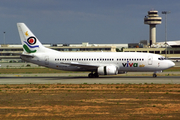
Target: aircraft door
(46, 60)
(150, 60)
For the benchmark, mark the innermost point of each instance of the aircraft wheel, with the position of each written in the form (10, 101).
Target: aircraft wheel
(90, 75)
(96, 75)
(154, 75)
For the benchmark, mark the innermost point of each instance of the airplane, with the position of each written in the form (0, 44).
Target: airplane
(97, 63)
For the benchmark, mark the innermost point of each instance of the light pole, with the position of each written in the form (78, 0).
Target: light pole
(166, 12)
(4, 37)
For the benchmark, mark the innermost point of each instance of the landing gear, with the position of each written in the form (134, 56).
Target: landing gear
(90, 75)
(154, 75)
(93, 75)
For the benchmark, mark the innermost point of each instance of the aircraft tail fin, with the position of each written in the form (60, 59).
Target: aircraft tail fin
(29, 41)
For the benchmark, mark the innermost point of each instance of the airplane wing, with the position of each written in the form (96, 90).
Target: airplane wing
(86, 66)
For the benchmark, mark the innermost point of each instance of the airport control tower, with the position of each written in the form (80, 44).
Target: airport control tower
(152, 19)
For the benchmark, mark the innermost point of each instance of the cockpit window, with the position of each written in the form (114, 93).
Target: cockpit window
(162, 58)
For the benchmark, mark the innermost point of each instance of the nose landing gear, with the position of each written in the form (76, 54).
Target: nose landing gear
(154, 74)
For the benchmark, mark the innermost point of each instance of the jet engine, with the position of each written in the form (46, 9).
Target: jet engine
(107, 70)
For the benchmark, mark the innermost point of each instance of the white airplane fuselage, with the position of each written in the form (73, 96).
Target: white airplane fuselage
(125, 61)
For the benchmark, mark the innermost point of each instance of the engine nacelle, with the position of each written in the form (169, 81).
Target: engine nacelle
(107, 70)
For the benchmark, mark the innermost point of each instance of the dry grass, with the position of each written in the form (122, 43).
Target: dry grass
(80, 102)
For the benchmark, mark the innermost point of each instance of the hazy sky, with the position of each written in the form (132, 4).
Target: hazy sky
(93, 21)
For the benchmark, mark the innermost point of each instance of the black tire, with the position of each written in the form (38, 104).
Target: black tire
(90, 75)
(154, 75)
(96, 75)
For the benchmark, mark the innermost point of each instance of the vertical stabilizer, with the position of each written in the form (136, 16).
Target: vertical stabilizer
(29, 41)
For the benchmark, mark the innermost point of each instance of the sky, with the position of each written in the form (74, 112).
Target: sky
(93, 21)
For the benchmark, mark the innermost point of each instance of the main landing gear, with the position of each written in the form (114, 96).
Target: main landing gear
(93, 75)
(154, 75)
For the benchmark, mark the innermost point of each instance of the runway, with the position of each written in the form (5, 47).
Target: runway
(81, 78)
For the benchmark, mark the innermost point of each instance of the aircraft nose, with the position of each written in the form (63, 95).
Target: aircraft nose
(171, 64)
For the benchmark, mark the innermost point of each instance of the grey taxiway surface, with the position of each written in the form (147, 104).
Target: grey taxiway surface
(81, 78)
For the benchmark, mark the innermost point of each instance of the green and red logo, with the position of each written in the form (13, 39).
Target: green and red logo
(29, 44)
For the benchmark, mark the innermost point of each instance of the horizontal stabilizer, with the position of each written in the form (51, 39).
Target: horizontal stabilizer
(27, 55)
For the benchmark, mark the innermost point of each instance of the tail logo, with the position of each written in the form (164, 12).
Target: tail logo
(26, 33)
(30, 44)
(31, 40)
